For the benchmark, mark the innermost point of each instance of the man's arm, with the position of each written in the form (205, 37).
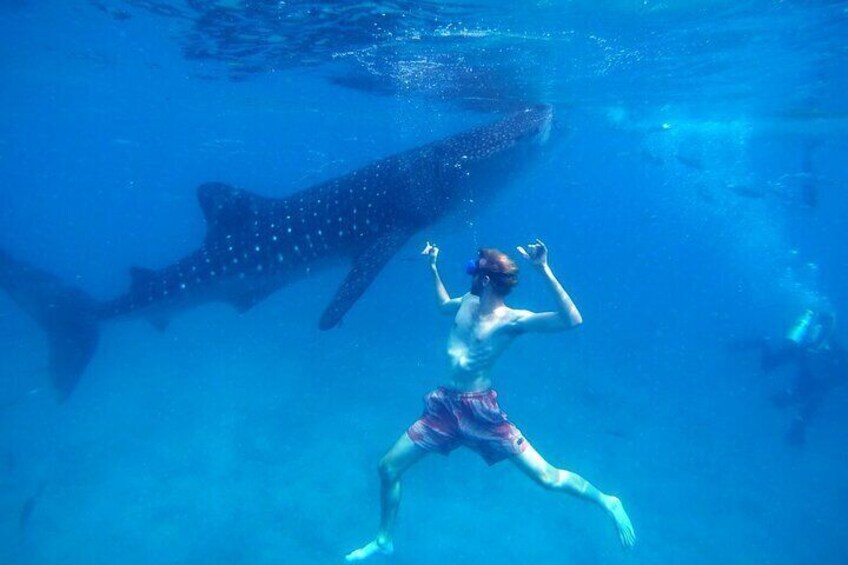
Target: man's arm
(445, 303)
(566, 316)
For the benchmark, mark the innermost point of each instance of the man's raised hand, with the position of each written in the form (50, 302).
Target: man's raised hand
(432, 252)
(537, 253)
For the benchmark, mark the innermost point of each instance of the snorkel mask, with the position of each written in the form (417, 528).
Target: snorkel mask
(473, 267)
(489, 268)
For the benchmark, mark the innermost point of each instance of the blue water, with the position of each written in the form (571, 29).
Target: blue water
(670, 199)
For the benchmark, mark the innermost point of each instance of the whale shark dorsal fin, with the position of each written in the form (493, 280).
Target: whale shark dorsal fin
(366, 266)
(225, 207)
(141, 277)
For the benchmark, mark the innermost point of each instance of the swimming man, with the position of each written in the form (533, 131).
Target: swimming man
(465, 410)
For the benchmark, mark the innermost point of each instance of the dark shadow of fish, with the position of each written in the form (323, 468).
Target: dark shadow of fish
(688, 161)
(748, 190)
(809, 181)
(28, 507)
(651, 158)
(255, 245)
(705, 194)
(617, 433)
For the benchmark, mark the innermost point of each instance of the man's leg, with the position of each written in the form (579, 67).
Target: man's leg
(551, 478)
(403, 455)
(811, 395)
(775, 356)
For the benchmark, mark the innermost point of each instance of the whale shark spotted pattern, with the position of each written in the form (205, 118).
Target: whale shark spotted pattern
(254, 245)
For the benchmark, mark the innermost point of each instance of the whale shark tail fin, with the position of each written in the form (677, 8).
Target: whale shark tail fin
(68, 315)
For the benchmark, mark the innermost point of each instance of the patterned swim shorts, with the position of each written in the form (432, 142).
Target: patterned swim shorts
(473, 419)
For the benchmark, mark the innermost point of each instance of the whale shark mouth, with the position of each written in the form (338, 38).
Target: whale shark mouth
(544, 134)
(540, 133)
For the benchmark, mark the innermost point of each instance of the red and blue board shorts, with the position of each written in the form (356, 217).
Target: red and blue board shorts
(473, 419)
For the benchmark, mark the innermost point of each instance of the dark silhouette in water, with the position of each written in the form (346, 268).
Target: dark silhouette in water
(67, 315)
(820, 365)
(801, 189)
(28, 508)
(809, 180)
(255, 245)
(689, 161)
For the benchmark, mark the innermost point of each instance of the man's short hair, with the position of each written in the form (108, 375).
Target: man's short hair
(502, 271)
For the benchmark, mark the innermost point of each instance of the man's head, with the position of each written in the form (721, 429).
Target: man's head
(825, 324)
(492, 269)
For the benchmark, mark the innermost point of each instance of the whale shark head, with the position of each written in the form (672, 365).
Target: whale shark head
(526, 128)
(470, 168)
(534, 124)
(497, 152)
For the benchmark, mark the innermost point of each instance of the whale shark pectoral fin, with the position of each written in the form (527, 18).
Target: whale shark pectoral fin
(225, 207)
(366, 266)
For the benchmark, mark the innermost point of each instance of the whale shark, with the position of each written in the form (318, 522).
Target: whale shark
(254, 245)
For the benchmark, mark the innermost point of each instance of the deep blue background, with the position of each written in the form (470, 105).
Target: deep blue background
(254, 438)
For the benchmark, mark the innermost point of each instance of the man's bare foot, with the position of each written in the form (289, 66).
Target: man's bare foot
(366, 551)
(622, 520)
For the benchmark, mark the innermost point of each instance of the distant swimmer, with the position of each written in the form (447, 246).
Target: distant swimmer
(465, 411)
(819, 364)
